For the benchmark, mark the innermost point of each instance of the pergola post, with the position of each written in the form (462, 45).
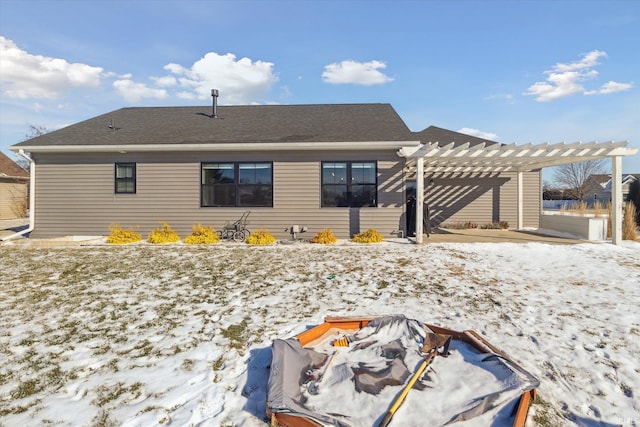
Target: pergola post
(616, 200)
(453, 158)
(520, 197)
(419, 197)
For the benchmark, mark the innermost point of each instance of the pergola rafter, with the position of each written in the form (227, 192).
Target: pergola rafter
(433, 157)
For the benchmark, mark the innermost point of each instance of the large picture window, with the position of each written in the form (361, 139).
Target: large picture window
(349, 184)
(125, 178)
(237, 184)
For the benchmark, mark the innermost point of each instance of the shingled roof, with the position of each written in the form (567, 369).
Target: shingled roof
(10, 169)
(444, 137)
(234, 124)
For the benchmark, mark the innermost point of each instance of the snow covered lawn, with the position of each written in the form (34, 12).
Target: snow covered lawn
(177, 335)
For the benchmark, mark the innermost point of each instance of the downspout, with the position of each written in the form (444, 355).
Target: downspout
(32, 198)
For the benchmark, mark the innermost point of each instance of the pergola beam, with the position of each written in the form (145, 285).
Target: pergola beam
(465, 158)
(432, 157)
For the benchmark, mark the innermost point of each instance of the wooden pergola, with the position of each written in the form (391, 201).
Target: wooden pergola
(432, 157)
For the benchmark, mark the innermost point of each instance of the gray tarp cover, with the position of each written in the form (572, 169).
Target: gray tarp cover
(298, 373)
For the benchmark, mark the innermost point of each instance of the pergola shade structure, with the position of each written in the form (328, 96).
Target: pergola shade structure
(433, 157)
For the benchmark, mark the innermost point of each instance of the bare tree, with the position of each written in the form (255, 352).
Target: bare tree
(33, 132)
(573, 176)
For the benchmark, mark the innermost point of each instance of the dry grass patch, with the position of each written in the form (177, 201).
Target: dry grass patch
(629, 227)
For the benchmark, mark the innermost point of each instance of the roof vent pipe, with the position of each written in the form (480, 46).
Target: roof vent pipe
(214, 95)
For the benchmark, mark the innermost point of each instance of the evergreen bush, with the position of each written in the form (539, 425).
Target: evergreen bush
(634, 197)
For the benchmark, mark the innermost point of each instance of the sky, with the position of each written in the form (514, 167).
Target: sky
(509, 71)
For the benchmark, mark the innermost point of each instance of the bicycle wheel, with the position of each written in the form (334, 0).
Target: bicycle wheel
(239, 236)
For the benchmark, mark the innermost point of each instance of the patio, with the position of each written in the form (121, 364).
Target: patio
(440, 235)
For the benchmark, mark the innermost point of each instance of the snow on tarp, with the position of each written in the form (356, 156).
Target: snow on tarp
(356, 385)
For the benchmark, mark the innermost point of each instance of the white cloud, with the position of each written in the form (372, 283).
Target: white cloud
(240, 81)
(24, 76)
(566, 80)
(613, 87)
(479, 134)
(506, 97)
(590, 60)
(185, 95)
(111, 74)
(352, 72)
(134, 92)
(166, 81)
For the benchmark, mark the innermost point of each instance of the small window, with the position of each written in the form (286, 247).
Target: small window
(125, 178)
(237, 184)
(349, 184)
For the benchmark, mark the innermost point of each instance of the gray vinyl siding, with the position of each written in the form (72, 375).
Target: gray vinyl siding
(75, 194)
(483, 199)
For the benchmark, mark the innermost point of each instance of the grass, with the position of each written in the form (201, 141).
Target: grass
(236, 334)
(126, 309)
(543, 414)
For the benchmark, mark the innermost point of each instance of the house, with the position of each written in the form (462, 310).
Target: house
(347, 167)
(595, 183)
(602, 191)
(14, 184)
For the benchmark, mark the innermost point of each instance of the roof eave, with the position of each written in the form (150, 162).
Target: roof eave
(262, 146)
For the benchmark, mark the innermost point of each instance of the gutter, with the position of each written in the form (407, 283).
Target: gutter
(229, 146)
(32, 198)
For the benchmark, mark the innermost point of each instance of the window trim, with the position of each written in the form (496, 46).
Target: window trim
(237, 185)
(133, 179)
(349, 184)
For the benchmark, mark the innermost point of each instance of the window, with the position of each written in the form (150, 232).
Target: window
(237, 184)
(125, 178)
(349, 184)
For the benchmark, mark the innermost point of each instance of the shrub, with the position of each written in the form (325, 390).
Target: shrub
(582, 208)
(202, 236)
(121, 236)
(369, 236)
(163, 234)
(261, 237)
(460, 225)
(609, 220)
(598, 209)
(629, 228)
(324, 237)
(496, 225)
(634, 197)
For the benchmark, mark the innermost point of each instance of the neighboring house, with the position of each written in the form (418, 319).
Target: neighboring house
(594, 184)
(603, 192)
(14, 189)
(315, 166)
